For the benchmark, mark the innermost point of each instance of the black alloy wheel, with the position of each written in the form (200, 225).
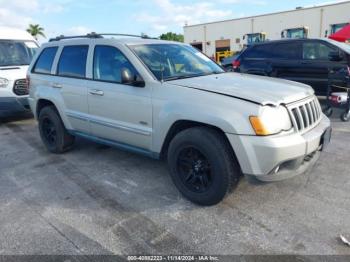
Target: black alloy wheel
(194, 170)
(49, 131)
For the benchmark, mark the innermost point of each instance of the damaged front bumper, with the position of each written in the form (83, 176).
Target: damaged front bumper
(277, 158)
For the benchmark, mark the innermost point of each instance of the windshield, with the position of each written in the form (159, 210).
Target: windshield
(174, 61)
(343, 46)
(16, 53)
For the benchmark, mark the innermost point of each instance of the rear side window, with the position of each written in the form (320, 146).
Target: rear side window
(44, 63)
(290, 50)
(73, 61)
(259, 51)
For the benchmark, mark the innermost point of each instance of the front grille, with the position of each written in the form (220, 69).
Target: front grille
(20, 87)
(306, 114)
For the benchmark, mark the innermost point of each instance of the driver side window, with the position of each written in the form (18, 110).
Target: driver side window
(108, 64)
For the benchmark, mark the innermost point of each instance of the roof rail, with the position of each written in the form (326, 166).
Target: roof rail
(97, 35)
(62, 37)
(139, 36)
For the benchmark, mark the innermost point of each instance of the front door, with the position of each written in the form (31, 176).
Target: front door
(118, 112)
(316, 65)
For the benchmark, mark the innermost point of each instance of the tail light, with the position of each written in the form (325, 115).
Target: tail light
(236, 64)
(335, 99)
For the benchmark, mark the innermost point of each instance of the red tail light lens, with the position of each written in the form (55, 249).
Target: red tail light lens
(236, 64)
(335, 99)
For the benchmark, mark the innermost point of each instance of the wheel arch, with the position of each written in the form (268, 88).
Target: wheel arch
(43, 103)
(182, 125)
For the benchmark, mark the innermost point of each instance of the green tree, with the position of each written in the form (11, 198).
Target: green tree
(172, 37)
(36, 31)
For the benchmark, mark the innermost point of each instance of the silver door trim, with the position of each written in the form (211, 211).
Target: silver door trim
(111, 125)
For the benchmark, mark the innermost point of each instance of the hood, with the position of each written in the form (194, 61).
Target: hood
(258, 89)
(13, 72)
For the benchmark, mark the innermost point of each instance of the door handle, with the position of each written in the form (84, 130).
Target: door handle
(96, 92)
(56, 85)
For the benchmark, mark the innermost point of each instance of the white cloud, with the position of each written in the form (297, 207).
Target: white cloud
(169, 15)
(13, 19)
(177, 15)
(326, 3)
(20, 13)
(251, 2)
(78, 30)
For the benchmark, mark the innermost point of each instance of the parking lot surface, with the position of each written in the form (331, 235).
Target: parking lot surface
(99, 200)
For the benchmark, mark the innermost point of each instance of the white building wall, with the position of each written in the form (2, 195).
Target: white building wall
(317, 19)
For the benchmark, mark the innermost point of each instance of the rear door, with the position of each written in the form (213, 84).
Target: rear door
(70, 82)
(286, 60)
(256, 60)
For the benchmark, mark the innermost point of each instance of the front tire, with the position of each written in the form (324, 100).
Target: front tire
(52, 131)
(345, 117)
(328, 111)
(202, 165)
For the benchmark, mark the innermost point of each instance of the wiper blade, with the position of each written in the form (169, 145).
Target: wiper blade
(186, 76)
(178, 77)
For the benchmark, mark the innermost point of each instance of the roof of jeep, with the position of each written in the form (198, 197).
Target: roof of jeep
(121, 40)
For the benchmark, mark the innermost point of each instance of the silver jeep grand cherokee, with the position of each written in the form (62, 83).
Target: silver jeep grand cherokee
(168, 101)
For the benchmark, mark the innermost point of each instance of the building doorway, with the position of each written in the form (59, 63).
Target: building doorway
(198, 46)
(222, 49)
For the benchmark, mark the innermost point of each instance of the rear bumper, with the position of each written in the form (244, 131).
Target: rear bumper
(12, 105)
(276, 158)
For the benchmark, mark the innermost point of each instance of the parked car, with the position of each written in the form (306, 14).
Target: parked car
(16, 52)
(306, 61)
(167, 100)
(227, 63)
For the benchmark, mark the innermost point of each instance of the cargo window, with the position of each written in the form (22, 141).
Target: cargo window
(44, 63)
(73, 61)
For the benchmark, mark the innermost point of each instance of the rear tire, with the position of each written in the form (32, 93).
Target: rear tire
(52, 131)
(202, 165)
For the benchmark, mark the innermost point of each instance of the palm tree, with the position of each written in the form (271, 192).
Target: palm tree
(35, 31)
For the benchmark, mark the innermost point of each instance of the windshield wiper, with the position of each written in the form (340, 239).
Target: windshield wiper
(188, 76)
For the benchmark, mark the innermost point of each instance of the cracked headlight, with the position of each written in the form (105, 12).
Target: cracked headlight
(271, 120)
(3, 82)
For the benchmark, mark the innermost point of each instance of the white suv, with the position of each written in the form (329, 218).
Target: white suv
(17, 49)
(168, 101)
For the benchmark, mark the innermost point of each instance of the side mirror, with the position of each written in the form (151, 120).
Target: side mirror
(335, 56)
(129, 78)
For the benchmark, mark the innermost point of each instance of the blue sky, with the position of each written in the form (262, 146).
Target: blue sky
(152, 17)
